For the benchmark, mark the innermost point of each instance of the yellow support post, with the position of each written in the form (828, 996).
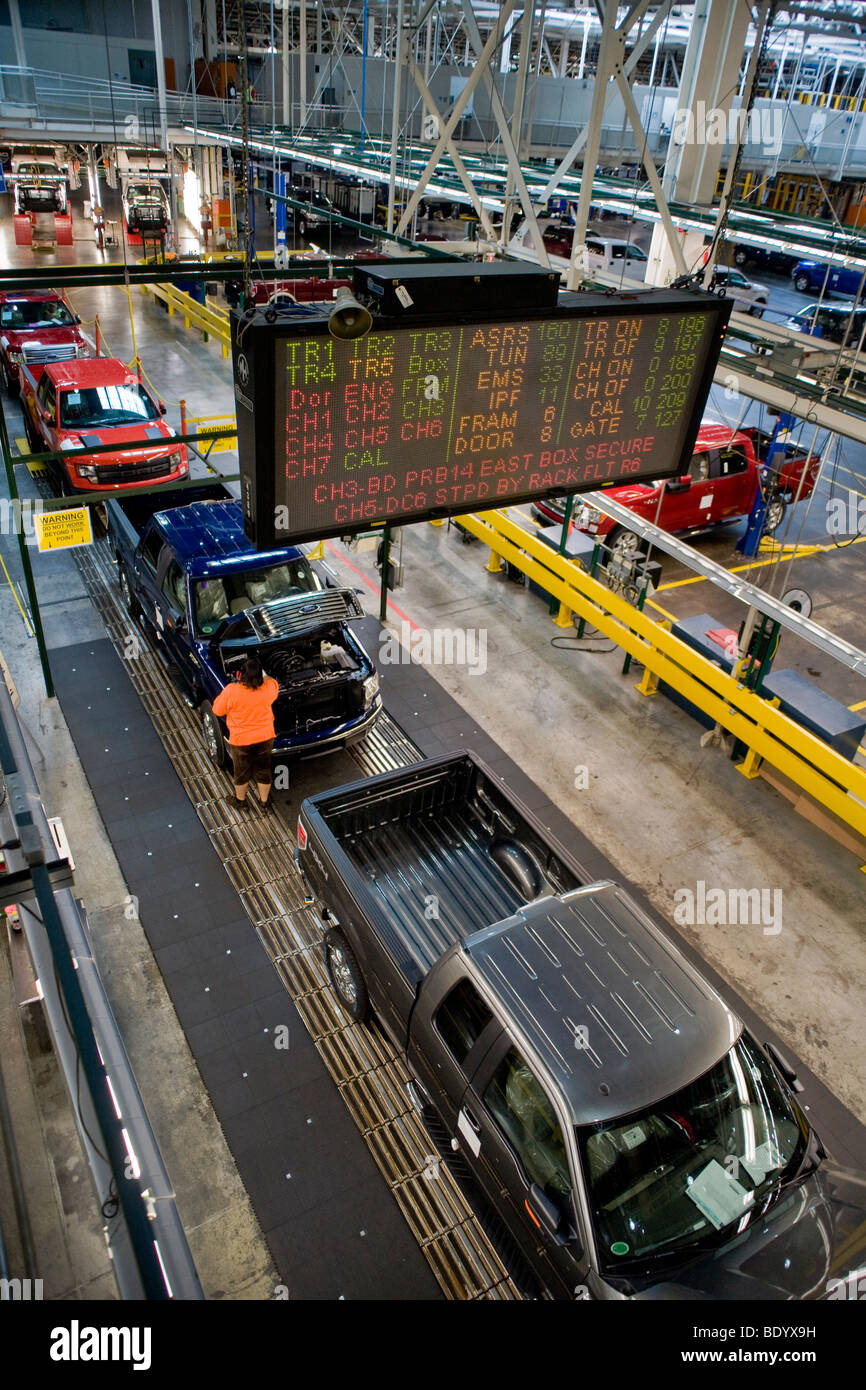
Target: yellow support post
(494, 564)
(751, 765)
(564, 617)
(440, 522)
(649, 681)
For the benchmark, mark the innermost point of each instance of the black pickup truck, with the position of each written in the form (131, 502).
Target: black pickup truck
(186, 569)
(635, 1139)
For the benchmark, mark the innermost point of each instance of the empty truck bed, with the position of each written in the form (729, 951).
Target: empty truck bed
(441, 855)
(436, 873)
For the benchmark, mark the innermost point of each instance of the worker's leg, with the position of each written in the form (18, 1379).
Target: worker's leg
(241, 793)
(263, 770)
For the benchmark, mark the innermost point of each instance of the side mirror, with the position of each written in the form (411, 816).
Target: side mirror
(77, 318)
(784, 1066)
(161, 405)
(543, 1209)
(678, 484)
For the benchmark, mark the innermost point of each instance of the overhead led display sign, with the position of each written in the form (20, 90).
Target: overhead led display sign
(420, 420)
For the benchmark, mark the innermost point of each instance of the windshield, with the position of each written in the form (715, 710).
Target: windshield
(690, 1170)
(42, 313)
(219, 598)
(144, 192)
(105, 406)
(42, 171)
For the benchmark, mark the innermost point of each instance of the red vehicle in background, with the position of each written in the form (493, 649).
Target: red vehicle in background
(79, 405)
(720, 486)
(36, 327)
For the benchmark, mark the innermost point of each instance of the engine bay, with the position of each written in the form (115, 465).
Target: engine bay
(312, 661)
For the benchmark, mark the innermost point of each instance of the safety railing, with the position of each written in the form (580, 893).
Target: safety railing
(211, 322)
(766, 733)
(198, 424)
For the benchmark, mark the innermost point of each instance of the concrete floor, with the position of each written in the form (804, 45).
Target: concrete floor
(667, 812)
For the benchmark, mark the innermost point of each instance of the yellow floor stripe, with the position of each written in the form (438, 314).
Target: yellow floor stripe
(860, 705)
(16, 598)
(802, 553)
(36, 470)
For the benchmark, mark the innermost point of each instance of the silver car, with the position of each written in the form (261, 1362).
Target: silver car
(749, 296)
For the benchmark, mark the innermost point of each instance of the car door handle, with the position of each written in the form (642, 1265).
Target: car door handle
(471, 1119)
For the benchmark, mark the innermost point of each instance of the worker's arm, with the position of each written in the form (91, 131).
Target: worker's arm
(221, 703)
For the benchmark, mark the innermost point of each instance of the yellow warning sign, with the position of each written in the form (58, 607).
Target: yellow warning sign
(63, 530)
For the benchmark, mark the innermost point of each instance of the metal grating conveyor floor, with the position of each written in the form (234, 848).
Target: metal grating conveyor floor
(256, 852)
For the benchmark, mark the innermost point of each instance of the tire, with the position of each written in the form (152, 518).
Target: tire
(345, 975)
(757, 310)
(623, 544)
(212, 734)
(33, 444)
(774, 515)
(302, 228)
(802, 283)
(9, 386)
(130, 602)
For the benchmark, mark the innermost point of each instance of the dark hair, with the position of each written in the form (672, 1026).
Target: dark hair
(251, 673)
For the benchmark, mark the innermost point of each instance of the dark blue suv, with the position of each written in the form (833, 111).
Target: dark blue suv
(810, 277)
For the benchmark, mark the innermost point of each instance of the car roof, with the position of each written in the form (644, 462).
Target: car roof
(90, 371)
(29, 296)
(593, 959)
(204, 535)
(835, 307)
(713, 434)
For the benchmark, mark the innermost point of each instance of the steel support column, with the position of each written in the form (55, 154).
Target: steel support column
(459, 167)
(160, 73)
(481, 67)
(504, 132)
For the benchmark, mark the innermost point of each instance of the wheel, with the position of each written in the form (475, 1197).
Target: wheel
(302, 227)
(33, 443)
(344, 972)
(774, 514)
(741, 256)
(757, 310)
(623, 544)
(212, 735)
(802, 283)
(9, 386)
(130, 602)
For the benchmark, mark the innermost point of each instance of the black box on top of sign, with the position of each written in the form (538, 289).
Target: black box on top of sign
(425, 287)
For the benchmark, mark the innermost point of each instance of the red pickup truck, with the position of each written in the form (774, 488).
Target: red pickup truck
(724, 474)
(71, 406)
(36, 327)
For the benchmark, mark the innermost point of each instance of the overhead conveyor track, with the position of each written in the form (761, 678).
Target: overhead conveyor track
(256, 852)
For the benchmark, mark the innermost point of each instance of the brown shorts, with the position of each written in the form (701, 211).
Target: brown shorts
(252, 762)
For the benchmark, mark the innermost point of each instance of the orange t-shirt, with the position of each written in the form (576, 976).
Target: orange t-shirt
(248, 713)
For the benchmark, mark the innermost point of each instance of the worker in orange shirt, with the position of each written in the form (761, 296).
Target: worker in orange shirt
(247, 707)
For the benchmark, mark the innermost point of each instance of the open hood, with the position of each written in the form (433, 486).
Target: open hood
(287, 618)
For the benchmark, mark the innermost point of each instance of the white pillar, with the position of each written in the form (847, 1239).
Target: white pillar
(160, 71)
(18, 34)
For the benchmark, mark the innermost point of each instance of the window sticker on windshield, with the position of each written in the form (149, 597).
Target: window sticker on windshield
(634, 1136)
(73, 398)
(720, 1197)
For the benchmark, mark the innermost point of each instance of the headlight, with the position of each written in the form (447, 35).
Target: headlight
(86, 470)
(371, 689)
(17, 358)
(177, 460)
(587, 517)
